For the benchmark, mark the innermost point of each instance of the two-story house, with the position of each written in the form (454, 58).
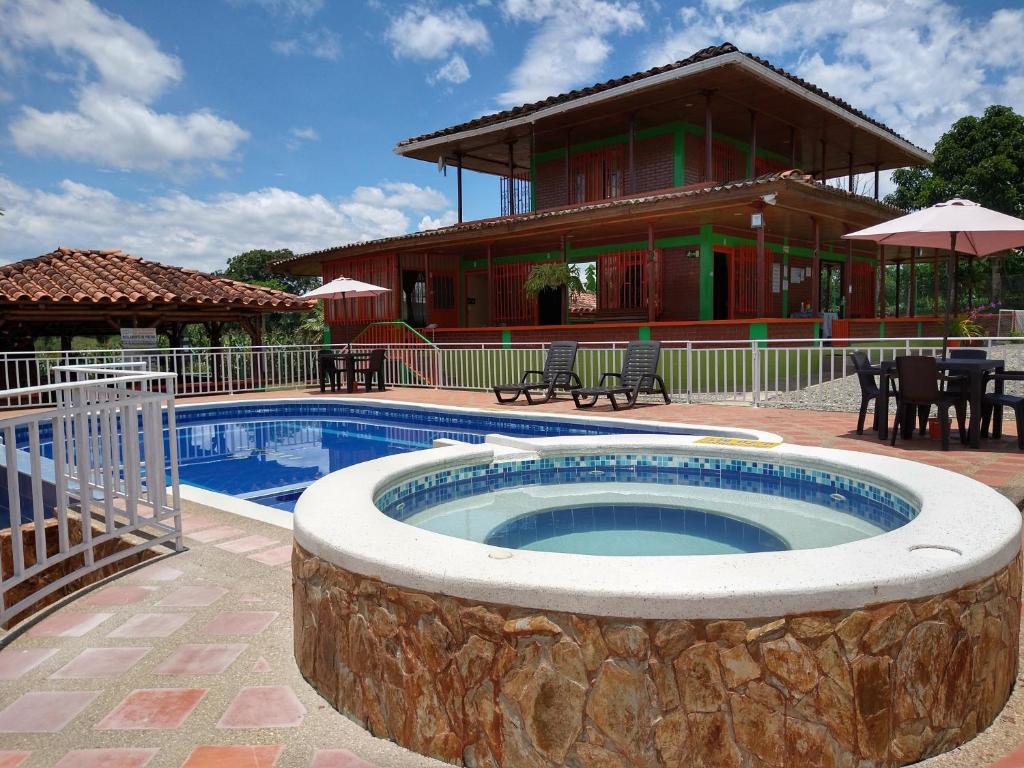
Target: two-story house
(710, 196)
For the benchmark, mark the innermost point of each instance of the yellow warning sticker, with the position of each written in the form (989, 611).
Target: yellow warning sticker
(737, 441)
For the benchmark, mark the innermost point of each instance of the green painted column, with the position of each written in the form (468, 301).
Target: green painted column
(644, 333)
(506, 339)
(758, 332)
(707, 273)
(678, 157)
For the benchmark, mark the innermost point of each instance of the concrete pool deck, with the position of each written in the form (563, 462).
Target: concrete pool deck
(188, 661)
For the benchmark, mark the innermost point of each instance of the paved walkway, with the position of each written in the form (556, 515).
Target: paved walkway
(188, 661)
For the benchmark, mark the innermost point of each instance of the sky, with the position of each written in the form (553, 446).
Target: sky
(193, 130)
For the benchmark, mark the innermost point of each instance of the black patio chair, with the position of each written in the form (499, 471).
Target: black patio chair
(639, 375)
(557, 374)
(869, 389)
(920, 387)
(372, 368)
(330, 373)
(1000, 400)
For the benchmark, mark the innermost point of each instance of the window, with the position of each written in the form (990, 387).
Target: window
(444, 291)
(598, 174)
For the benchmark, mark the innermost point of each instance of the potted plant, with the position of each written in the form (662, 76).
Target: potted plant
(546, 283)
(964, 326)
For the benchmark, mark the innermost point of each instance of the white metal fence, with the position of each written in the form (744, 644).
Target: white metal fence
(75, 480)
(744, 371)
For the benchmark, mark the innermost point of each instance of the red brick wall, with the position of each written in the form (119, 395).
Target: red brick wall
(654, 163)
(549, 187)
(680, 286)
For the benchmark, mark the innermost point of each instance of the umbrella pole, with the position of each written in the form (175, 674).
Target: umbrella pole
(950, 278)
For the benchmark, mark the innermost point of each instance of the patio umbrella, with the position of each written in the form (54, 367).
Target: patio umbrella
(960, 225)
(345, 288)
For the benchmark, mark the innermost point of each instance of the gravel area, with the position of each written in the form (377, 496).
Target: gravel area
(844, 394)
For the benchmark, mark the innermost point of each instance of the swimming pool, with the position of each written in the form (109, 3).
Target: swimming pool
(270, 452)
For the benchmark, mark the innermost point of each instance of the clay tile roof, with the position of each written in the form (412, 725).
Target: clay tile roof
(108, 276)
(704, 54)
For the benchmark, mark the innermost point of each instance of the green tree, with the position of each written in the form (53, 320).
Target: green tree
(254, 267)
(590, 278)
(981, 159)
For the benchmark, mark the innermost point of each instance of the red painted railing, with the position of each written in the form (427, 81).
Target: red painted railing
(511, 305)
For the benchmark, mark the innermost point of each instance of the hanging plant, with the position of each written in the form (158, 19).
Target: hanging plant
(553, 276)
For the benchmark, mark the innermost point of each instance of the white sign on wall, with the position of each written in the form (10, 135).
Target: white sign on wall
(138, 338)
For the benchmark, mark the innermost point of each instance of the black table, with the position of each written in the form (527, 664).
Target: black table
(975, 369)
(349, 359)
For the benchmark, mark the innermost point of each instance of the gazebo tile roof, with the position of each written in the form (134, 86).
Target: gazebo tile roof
(108, 276)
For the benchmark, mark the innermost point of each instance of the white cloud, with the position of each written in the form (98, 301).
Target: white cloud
(298, 136)
(446, 219)
(124, 72)
(570, 46)
(916, 66)
(320, 43)
(455, 70)
(425, 34)
(117, 131)
(286, 7)
(203, 232)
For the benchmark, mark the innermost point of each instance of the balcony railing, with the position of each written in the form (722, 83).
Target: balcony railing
(521, 199)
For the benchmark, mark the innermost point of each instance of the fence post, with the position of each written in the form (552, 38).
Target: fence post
(755, 374)
(689, 372)
(437, 367)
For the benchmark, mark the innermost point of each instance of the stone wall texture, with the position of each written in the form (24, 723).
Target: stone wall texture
(493, 685)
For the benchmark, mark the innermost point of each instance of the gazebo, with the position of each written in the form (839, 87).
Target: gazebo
(86, 292)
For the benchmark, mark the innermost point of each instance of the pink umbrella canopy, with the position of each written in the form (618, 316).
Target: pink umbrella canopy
(979, 231)
(345, 288)
(957, 224)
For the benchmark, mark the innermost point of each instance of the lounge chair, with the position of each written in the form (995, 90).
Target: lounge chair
(557, 373)
(639, 375)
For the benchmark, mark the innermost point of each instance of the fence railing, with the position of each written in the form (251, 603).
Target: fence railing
(751, 371)
(87, 483)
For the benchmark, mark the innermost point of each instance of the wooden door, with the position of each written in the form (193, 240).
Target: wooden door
(444, 308)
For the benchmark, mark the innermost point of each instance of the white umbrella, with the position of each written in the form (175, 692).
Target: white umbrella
(960, 225)
(345, 288)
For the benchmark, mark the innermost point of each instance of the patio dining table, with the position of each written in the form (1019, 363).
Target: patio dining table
(349, 359)
(974, 369)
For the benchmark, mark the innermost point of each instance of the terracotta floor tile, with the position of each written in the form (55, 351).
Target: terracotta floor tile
(67, 624)
(119, 594)
(156, 572)
(246, 544)
(44, 711)
(151, 625)
(271, 706)
(106, 758)
(152, 708)
(100, 662)
(239, 623)
(12, 758)
(192, 597)
(1013, 760)
(234, 757)
(192, 523)
(275, 556)
(208, 535)
(338, 758)
(15, 663)
(201, 659)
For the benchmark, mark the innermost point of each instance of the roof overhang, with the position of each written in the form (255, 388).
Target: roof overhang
(899, 152)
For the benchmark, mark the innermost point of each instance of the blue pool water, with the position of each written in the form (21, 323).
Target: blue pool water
(270, 452)
(631, 529)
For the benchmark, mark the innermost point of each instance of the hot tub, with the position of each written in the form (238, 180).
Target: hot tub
(658, 600)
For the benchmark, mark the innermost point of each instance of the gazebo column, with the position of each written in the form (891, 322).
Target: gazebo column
(815, 267)
(254, 327)
(215, 334)
(176, 334)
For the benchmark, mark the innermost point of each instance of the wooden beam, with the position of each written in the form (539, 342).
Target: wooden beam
(511, 178)
(632, 154)
(708, 131)
(490, 286)
(849, 178)
(761, 275)
(652, 275)
(458, 184)
(912, 298)
(881, 281)
(876, 181)
(815, 267)
(568, 167)
(752, 161)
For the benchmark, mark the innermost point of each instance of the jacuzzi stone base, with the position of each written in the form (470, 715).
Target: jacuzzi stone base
(493, 685)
